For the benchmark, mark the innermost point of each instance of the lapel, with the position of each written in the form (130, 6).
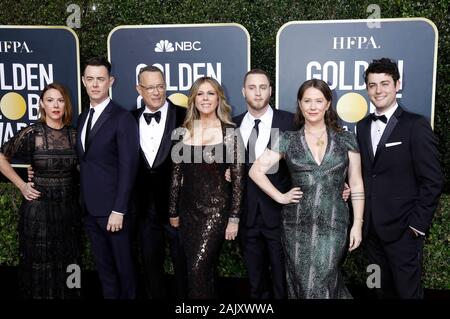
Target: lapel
(367, 137)
(276, 124)
(99, 123)
(387, 132)
(166, 142)
(238, 119)
(137, 115)
(81, 121)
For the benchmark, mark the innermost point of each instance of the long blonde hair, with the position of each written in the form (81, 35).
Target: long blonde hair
(223, 110)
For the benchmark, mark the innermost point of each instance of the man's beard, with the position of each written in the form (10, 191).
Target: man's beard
(259, 105)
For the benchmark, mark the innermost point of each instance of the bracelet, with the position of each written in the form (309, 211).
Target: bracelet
(357, 195)
(233, 220)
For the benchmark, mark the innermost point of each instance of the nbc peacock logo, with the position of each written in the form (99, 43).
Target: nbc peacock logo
(164, 46)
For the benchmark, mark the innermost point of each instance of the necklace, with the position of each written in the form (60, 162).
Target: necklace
(319, 142)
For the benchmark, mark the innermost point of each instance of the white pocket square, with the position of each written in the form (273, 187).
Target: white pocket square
(393, 144)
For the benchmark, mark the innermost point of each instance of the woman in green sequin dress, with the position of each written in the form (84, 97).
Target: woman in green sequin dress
(315, 218)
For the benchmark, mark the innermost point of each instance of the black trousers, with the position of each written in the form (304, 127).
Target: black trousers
(264, 259)
(153, 235)
(400, 263)
(113, 257)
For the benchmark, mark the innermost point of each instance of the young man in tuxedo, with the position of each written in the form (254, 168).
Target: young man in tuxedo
(108, 151)
(260, 224)
(156, 121)
(402, 183)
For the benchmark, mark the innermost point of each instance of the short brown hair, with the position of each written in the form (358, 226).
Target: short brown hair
(67, 117)
(257, 71)
(150, 68)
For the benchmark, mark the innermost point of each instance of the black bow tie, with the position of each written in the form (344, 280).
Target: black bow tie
(382, 118)
(149, 116)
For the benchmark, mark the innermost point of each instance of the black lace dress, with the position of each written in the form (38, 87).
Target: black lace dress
(204, 202)
(50, 227)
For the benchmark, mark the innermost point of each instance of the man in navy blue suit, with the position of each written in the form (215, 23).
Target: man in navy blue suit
(260, 225)
(108, 151)
(402, 182)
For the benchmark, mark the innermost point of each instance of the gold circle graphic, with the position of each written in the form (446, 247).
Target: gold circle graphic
(179, 99)
(13, 106)
(352, 107)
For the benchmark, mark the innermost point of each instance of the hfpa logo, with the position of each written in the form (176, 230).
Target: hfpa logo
(14, 47)
(167, 46)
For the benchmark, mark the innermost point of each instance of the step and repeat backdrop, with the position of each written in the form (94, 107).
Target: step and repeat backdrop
(337, 52)
(30, 58)
(184, 53)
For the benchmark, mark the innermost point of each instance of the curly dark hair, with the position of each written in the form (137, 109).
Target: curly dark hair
(383, 65)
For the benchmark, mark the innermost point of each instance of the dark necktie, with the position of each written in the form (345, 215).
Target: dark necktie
(375, 117)
(88, 127)
(252, 141)
(149, 116)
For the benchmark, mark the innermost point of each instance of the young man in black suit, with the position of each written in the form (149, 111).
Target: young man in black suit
(156, 121)
(402, 183)
(108, 151)
(260, 225)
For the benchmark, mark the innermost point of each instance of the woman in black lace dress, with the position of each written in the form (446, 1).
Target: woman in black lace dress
(49, 222)
(202, 203)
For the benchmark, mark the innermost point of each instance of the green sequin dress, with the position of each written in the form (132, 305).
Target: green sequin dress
(315, 231)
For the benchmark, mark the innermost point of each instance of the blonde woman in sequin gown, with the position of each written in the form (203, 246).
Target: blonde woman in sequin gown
(203, 204)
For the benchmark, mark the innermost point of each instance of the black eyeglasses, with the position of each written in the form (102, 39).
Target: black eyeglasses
(152, 88)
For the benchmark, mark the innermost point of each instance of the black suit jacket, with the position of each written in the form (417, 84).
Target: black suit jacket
(402, 182)
(108, 166)
(153, 183)
(270, 209)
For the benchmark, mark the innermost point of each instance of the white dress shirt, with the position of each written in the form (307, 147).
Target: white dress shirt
(150, 135)
(248, 122)
(98, 111)
(378, 127)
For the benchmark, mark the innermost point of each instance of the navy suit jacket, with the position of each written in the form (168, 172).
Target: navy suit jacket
(269, 209)
(403, 181)
(153, 183)
(108, 166)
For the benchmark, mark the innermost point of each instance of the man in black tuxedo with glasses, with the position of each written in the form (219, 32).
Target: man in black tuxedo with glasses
(156, 120)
